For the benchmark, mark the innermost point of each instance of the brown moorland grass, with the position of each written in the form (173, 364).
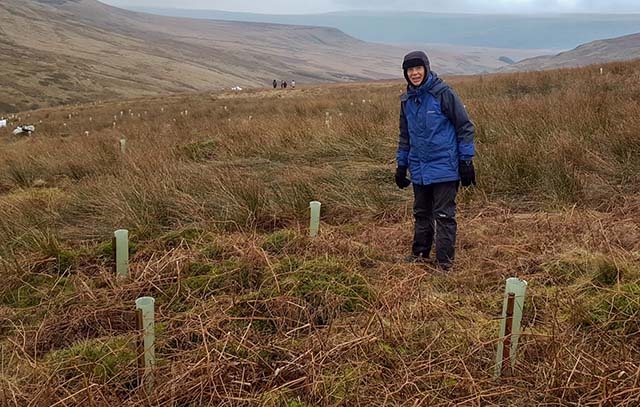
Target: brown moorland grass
(214, 189)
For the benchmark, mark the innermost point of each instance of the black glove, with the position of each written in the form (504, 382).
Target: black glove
(467, 173)
(401, 177)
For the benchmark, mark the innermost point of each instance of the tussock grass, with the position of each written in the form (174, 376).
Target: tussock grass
(251, 311)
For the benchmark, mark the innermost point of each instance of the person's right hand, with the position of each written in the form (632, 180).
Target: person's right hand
(401, 177)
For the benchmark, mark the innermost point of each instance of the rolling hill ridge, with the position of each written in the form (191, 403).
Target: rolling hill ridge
(67, 51)
(596, 52)
(70, 51)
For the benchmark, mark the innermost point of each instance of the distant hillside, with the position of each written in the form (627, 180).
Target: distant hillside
(67, 51)
(543, 31)
(613, 49)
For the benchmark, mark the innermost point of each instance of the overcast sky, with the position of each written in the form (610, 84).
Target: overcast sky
(463, 6)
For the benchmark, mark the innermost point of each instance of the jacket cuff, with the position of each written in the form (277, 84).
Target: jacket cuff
(403, 158)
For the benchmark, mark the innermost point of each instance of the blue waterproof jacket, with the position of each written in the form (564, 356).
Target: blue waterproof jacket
(435, 132)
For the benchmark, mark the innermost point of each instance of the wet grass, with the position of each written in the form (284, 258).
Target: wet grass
(252, 311)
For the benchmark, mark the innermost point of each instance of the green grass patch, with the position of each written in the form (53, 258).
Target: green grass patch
(105, 250)
(36, 288)
(201, 151)
(616, 310)
(276, 242)
(213, 251)
(48, 244)
(102, 359)
(175, 238)
(601, 270)
(201, 269)
(204, 286)
(281, 398)
(328, 286)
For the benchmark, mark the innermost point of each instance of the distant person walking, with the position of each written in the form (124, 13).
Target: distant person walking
(284, 84)
(436, 145)
(275, 84)
(293, 84)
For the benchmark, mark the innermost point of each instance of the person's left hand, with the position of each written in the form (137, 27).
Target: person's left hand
(467, 173)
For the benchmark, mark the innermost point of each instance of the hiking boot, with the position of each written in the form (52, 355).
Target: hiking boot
(444, 266)
(412, 258)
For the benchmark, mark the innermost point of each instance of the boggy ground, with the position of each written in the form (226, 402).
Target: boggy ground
(214, 189)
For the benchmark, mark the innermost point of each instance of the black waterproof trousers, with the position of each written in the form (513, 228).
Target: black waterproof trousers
(434, 211)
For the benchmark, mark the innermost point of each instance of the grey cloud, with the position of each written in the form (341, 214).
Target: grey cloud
(404, 5)
(611, 5)
(470, 6)
(490, 6)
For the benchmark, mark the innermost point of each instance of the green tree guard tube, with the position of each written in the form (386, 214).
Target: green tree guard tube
(122, 252)
(314, 224)
(146, 305)
(518, 288)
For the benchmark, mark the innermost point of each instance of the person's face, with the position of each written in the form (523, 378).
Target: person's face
(416, 74)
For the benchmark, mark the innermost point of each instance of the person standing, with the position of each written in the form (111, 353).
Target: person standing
(275, 84)
(436, 145)
(293, 83)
